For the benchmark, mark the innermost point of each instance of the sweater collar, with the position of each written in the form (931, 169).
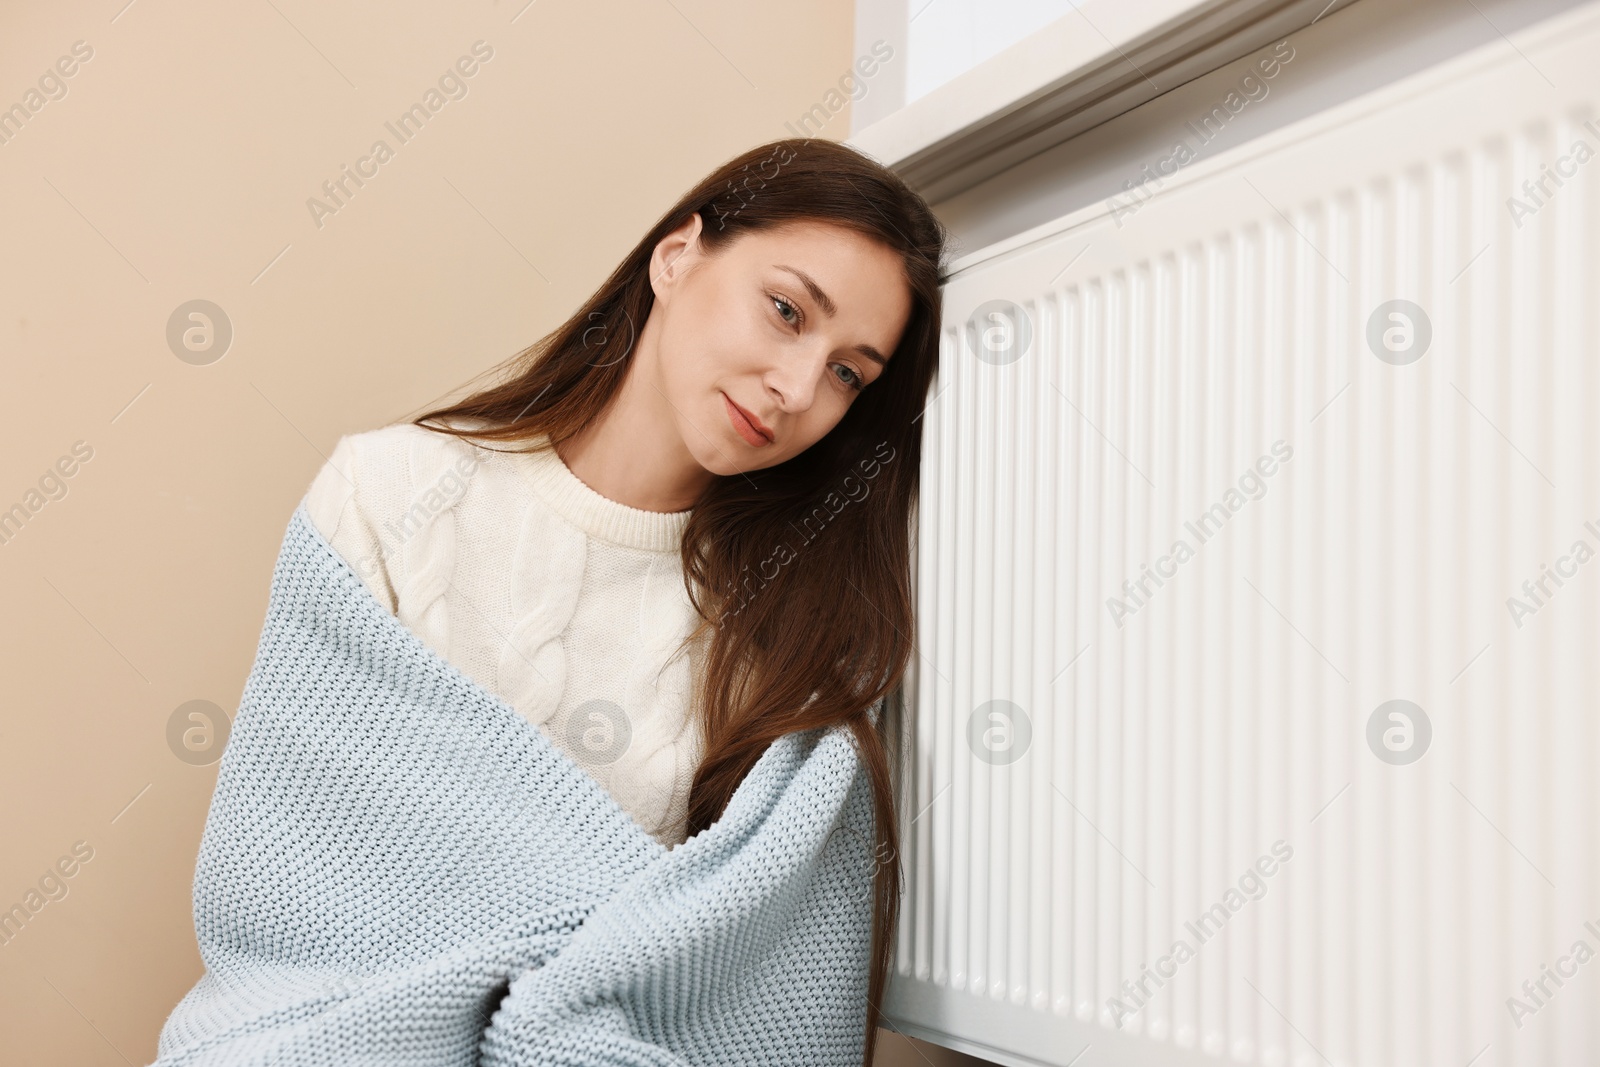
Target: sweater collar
(596, 515)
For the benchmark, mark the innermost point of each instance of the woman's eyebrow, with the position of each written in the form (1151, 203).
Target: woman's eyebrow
(826, 303)
(873, 354)
(822, 298)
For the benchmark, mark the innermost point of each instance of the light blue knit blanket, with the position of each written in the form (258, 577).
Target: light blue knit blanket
(390, 847)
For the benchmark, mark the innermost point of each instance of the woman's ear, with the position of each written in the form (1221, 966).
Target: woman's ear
(674, 254)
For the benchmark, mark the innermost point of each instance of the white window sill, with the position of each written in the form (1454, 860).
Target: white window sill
(1086, 67)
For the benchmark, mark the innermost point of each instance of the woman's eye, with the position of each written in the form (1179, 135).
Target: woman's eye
(854, 381)
(782, 303)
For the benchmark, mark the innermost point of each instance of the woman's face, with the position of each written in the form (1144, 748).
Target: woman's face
(787, 324)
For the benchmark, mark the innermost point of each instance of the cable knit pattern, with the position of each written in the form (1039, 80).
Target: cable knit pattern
(566, 604)
(431, 550)
(399, 869)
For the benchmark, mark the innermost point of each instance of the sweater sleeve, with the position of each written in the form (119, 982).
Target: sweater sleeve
(340, 504)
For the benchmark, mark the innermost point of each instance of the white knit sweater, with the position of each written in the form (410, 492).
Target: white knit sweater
(566, 604)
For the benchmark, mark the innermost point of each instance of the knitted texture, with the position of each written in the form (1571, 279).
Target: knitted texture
(397, 868)
(566, 604)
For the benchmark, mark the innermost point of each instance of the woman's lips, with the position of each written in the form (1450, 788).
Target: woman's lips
(745, 424)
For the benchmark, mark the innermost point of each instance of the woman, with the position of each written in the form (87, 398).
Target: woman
(695, 538)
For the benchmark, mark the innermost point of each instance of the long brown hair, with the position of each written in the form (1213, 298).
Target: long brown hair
(800, 571)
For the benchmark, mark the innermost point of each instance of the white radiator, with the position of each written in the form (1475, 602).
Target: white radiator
(1116, 745)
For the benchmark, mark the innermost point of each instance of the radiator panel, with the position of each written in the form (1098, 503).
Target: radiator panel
(1225, 706)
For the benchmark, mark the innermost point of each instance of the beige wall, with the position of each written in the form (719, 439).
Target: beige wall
(177, 166)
